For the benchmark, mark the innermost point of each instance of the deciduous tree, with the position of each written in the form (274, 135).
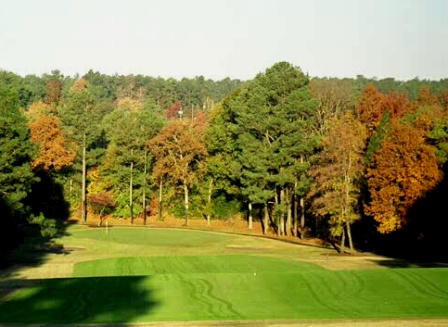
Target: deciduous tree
(401, 172)
(337, 173)
(54, 153)
(177, 151)
(129, 127)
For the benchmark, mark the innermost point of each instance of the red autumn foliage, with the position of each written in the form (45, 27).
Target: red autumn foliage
(370, 108)
(402, 171)
(173, 111)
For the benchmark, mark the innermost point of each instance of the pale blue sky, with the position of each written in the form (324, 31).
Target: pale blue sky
(219, 38)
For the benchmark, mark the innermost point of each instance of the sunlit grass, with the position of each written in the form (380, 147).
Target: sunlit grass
(174, 275)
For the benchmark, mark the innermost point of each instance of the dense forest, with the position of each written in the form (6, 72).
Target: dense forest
(359, 162)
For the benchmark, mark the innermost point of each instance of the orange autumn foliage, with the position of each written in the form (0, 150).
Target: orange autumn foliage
(53, 151)
(370, 107)
(79, 86)
(402, 171)
(373, 104)
(397, 104)
(425, 97)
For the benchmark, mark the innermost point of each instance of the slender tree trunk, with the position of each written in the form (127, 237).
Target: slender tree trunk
(144, 189)
(343, 240)
(186, 203)
(160, 200)
(209, 201)
(302, 217)
(302, 211)
(282, 215)
(349, 235)
(266, 219)
(295, 216)
(276, 215)
(347, 201)
(250, 215)
(84, 181)
(288, 212)
(131, 202)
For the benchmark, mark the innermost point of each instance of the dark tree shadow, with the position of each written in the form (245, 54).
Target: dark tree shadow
(428, 222)
(402, 263)
(47, 196)
(116, 300)
(105, 300)
(423, 239)
(22, 242)
(11, 232)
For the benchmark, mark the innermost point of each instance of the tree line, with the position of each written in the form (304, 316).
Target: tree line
(358, 162)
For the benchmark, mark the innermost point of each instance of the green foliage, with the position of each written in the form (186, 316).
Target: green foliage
(81, 115)
(16, 176)
(224, 208)
(266, 131)
(122, 208)
(16, 153)
(177, 209)
(129, 129)
(47, 226)
(438, 137)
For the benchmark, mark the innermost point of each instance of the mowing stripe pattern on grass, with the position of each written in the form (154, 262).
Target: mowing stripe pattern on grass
(207, 287)
(228, 288)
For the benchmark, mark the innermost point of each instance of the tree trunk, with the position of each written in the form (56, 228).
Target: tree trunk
(349, 234)
(209, 201)
(302, 217)
(302, 211)
(144, 189)
(347, 201)
(276, 215)
(295, 217)
(160, 200)
(186, 203)
(131, 182)
(266, 219)
(84, 181)
(288, 212)
(343, 241)
(282, 213)
(250, 215)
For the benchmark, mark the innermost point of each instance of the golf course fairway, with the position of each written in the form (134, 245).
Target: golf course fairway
(209, 282)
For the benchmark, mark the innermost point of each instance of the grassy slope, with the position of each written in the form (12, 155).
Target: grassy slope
(204, 286)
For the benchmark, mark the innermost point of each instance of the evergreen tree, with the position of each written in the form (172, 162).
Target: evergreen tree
(81, 115)
(16, 176)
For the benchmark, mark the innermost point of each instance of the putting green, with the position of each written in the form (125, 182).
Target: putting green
(154, 237)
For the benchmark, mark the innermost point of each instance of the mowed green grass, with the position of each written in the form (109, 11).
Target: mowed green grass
(221, 286)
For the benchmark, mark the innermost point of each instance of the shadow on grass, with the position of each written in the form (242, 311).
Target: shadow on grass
(402, 263)
(117, 300)
(25, 241)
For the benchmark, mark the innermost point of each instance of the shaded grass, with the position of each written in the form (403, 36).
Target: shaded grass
(197, 279)
(229, 288)
(80, 300)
